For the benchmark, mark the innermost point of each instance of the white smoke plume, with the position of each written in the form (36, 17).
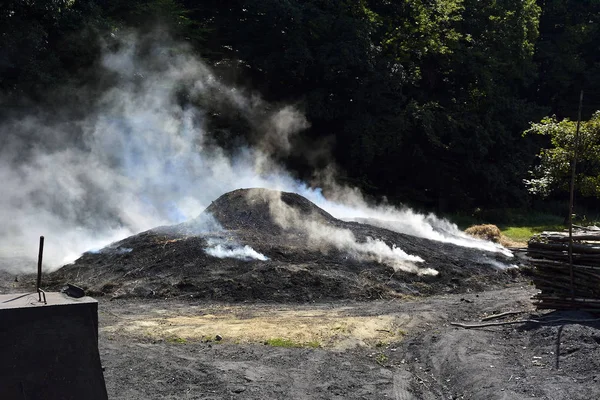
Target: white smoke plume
(497, 264)
(139, 157)
(320, 235)
(224, 250)
(349, 204)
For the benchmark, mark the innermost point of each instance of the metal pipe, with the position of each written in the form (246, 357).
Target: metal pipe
(39, 275)
(40, 294)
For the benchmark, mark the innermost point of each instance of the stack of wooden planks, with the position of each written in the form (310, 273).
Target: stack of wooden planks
(563, 286)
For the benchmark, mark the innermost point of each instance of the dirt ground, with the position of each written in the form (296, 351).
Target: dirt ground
(397, 349)
(314, 322)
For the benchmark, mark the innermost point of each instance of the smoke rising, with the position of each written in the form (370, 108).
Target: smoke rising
(320, 235)
(244, 253)
(143, 154)
(349, 204)
(137, 159)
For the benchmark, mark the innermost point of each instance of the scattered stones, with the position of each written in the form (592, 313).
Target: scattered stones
(238, 389)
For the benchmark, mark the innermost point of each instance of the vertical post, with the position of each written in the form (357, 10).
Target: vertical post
(39, 275)
(571, 193)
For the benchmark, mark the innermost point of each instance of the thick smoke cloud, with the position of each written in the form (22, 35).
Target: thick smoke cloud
(141, 157)
(137, 159)
(321, 235)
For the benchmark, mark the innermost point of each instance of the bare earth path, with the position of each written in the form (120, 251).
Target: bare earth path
(316, 318)
(397, 349)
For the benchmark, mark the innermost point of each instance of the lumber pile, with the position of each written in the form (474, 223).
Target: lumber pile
(563, 286)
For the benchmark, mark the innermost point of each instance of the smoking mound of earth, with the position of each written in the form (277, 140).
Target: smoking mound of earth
(259, 244)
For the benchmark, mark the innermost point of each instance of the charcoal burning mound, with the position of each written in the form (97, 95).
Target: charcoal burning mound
(259, 244)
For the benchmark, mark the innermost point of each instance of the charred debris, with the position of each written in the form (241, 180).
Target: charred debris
(173, 261)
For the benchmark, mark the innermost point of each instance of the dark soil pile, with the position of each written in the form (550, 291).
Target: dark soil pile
(248, 209)
(171, 261)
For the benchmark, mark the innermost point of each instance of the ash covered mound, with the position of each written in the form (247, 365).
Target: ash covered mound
(259, 244)
(252, 209)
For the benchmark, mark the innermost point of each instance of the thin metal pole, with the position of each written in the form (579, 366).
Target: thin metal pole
(39, 275)
(572, 191)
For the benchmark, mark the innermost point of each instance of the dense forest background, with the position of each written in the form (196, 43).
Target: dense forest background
(422, 101)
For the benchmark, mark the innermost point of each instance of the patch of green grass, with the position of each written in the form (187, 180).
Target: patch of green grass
(176, 340)
(508, 217)
(524, 233)
(381, 359)
(517, 233)
(281, 342)
(518, 225)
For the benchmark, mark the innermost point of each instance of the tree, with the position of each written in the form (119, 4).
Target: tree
(568, 56)
(469, 71)
(45, 43)
(553, 172)
(423, 101)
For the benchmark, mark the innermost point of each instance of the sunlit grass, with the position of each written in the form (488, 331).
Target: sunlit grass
(517, 226)
(176, 340)
(524, 233)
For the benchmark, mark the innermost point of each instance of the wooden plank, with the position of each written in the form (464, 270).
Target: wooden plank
(577, 248)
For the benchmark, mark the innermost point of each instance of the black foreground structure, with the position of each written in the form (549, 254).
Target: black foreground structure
(49, 351)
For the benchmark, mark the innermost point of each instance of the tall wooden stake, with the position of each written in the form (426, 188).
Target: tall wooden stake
(572, 191)
(39, 275)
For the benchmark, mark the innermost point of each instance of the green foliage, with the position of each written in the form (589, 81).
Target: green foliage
(553, 173)
(466, 65)
(146, 15)
(47, 44)
(176, 340)
(381, 359)
(566, 55)
(423, 101)
(42, 43)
